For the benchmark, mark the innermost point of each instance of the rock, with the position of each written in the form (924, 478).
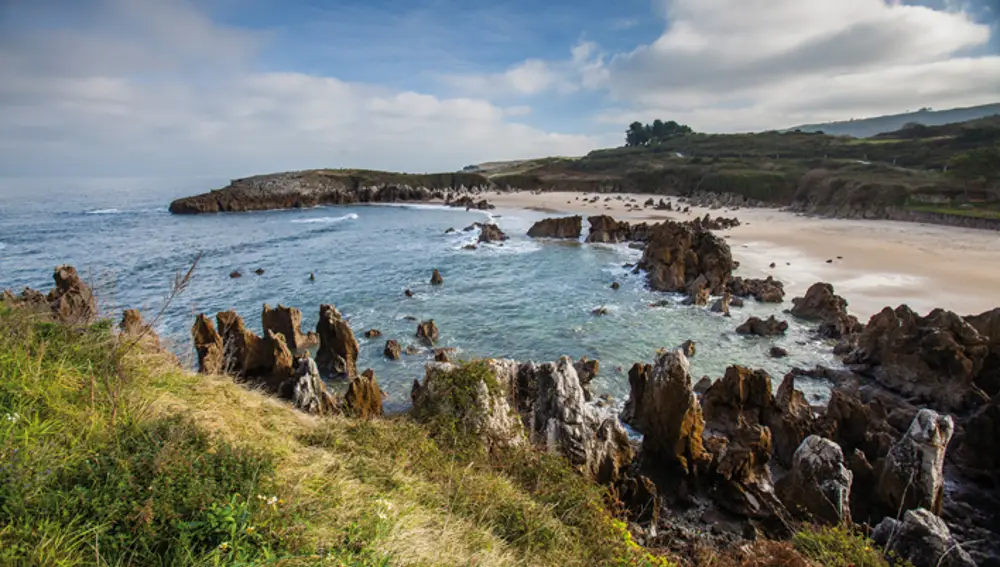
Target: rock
(245, 354)
(988, 326)
(586, 370)
(663, 407)
(491, 233)
(287, 321)
(470, 247)
(818, 487)
(309, 393)
(392, 350)
(768, 290)
(259, 271)
(778, 352)
(442, 354)
(408, 292)
(698, 292)
(338, 348)
(450, 230)
(436, 278)
(677, 255)
(912, 476)
(606, 229)
(600, 311)
(412, 350)
(821, 304)
(688, 348)
(979, 445)
(854, 424)
(721, 305)
(209, 346)
(373, 334)
(312, 276)
(72, 301)
(763, 328)
(923, 539)
(132, 323)
(427, 332)
(702, 385)
(772, 265)
(235, 274)
(364, 398)
(564, 227)
(790, 419)
(937, 360)
(735, 302)
(615, 286)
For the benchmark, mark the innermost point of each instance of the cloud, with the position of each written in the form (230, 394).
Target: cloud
(175, 94)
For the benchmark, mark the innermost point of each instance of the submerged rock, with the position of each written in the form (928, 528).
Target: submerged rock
(770, 327)
(491, 233)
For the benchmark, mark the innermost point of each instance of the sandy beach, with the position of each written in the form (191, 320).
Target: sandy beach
(874, 263)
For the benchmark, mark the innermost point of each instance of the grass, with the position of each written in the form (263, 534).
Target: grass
(111, 456)
(944, 210)
(842, 547)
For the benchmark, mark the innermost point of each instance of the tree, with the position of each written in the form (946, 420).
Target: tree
(979, 165)
(639, 134)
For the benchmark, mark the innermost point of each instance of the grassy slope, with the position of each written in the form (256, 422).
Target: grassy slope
(111, 455)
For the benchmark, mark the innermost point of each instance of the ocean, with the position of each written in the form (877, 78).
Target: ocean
(527, 300)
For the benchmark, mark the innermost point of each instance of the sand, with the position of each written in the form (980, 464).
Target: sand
(874, 263)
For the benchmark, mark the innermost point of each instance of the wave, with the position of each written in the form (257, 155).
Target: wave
(326, 220)
(2, 245)
(104, 212)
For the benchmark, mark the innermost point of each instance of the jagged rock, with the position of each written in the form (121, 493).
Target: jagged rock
(363, 398)
(767, 290)
(663, 407)
(287, 321)
(308, 392)
(923, 539)
(641, 497)
(702, 385)
(477, 402)
(937, 360)
(688, 348)
(279, 361)
(373, 334)
(855, 424)
(676, 255)
(412, 350)
(586, 370)
(337, 355)
(979, 444)
(245, 355)
(599, 311)
(790, 420)
(818, 487)
(72, 300)
(392, 350)
(821, 304)
(563, 227)
(209, 346)
(427, 332)
(698, 292)
(763, 328)
(491, 233)
(443, 354)
(436, 278)
(606, 229)
(235, 274)
(259, 271)
(777, 352)
(721, 305)
(132, 323)
(988, 326)
(408, 292)
(911, 475)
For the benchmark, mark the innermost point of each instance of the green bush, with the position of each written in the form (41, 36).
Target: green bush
(842, 547)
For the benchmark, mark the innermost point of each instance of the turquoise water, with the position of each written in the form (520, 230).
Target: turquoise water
(528, 300)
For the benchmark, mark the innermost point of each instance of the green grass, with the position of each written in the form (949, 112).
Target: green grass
(842, 547)
(978, 213)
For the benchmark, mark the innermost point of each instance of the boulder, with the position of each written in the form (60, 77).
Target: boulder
(979, 444)
(663, 407)
(988, 326)
(770, 327)
(474, 398)
(790, 419)
(586, 370)
(937, 360)
(308, 391)
(373, 334)
(616, 286)
(777, 352)
(436, 278)
(491, 233)
(912, 474)
(606, 229)
(599, 311)
(702, 386)
(392, 350)
(245, 354)
(337, 355)
(132, 323)
(830, 310)
(923, 539)
(427, 332)
(677, 255)
(688, 348)
(72, 300)
(442, 354)
(818, 487)
(563, 227)
(287, 321)
(721, 305)
(363, 398)
(767, 290)
(209, 346)
(698, 292)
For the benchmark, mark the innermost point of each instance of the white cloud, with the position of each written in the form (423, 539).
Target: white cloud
(140, 103)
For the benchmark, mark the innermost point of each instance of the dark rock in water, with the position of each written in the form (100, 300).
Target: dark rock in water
(688, 348)
(772, 265)
(392, 350)
(912, 474)
(768, 290)
(450, 230)
(821, 304)
(829, 261)
(721, 305)
(677, 255)
(923, 539)
(312, 276)
(599, 311)
(427, 332)
(338, 348)
(443, 354)
(698, 292)
(287, 321)
(208, 344)
(259, 271)
(778, 352)
(412, 350)
(564, 227)
(373, 333)
(72, 301)
(662, 303)
(364, 398)
(408, 292)
(409, 318)
(436, 278)
(763, 328)
(235, 274)
(818, 487)
(615, 285)
(470, 247)
(491, 233)
(308, 391)
(735, 302)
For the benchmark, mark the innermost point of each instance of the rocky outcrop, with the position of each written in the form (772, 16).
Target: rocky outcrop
(436, 278)
(790, 419)
(392, 350)
(72, 301)
(721, 305)
(287, 321)
(469, 203)
(607, 230)
(132, 323)
(821, 304)
(770, 327)
(979, 443)
(988, 326)
(208, 345)
(244, 354)
(427, 332)
(491, 233)
(338, 348)
(562, 227)
(304, 189)
(308, 392)
(768, 290)
(363, 398)
(936, 360)
(923, 539)
(912, 474)
(818, 487)
(677, 255)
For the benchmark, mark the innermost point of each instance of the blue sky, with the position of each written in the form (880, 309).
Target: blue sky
(234, 87)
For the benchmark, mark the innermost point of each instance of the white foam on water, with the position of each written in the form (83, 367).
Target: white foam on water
(2, 245)
(104, 212)
(326, 220)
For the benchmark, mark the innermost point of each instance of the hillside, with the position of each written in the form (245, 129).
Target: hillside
(868, 127)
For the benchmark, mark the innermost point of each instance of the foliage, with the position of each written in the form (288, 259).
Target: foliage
(639, 134)
(839, 546)
(981, 164)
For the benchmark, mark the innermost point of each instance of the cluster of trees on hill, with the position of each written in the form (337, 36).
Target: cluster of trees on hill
(639, 134)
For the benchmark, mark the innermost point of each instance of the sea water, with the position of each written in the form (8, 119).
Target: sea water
(526, 300)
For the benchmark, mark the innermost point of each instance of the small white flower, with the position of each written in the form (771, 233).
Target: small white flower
(382, 516)
(12, 417)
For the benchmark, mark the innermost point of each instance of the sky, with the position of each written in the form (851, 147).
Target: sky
(238, 87)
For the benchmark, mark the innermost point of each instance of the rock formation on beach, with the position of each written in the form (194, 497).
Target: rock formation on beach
(677, 255)
(770, 327)
(491, 233)
(562, 227)
(71, 301)
(338, 348)
(830, 310)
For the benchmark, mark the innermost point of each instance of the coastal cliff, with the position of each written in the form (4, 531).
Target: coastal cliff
(302, 189)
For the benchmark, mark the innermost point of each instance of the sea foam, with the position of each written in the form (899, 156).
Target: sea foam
(326, 220)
